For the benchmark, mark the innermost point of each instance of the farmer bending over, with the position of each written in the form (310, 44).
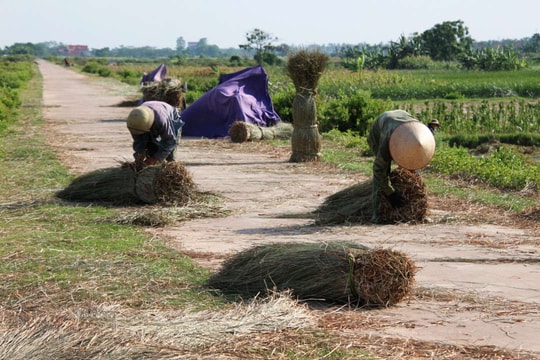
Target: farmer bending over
(155, 128)
(396, 135)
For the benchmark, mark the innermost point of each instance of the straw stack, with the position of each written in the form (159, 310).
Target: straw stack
(168, 90)
(168, 182)
(241, 131)
(355, 204)
(305, 69)
(336, 272)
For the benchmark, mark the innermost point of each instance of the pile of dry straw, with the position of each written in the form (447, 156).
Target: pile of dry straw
(355, 204)
(241, 131)
(168, 90)
(337, 272)
(168, 183)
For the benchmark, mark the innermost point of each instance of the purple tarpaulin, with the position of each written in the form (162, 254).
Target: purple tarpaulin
(156, 75)
(240, 96)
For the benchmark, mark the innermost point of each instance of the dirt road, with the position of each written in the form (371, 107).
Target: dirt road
(479, 279)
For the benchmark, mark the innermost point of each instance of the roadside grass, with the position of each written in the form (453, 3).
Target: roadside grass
(62, 254)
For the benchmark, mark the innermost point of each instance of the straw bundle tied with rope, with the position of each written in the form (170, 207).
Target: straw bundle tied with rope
(305, 68)
(337, 272)
(168, 182)
(355, 204)
(167, 90)
(241, 131)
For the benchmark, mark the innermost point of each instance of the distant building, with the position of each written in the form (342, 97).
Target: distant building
(75, 50)
(192, 44)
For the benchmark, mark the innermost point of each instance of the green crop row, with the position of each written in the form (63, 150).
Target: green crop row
(504, 167)
(483, 117)
(14, 75)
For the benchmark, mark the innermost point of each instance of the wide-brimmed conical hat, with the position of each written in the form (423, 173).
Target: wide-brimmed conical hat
(412, 145)
(140, 120)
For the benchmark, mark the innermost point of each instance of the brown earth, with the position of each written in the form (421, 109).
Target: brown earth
(478, 288)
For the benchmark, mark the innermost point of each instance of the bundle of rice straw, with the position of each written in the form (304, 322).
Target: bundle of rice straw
(167, 90)
(337, 272)
(168, 182)
(413, 189)
(305, 69)
(241, 131)
(355, 204)
(112, 185)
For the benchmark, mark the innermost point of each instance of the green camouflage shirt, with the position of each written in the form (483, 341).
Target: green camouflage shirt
(378, 140)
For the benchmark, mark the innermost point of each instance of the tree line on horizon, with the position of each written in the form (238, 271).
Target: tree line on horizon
(447, 41)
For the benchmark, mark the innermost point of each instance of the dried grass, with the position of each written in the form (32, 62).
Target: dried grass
(338, 272)
(112, 185)
(169, 183)
(305, 68)
(168, 90)
(113, 332)
(241, 131)
(165, 183)
(355, 204)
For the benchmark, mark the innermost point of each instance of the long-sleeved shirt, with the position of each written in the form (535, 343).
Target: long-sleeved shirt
(163, 132)
(378, 140)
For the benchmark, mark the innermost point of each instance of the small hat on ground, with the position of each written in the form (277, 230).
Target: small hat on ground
(140, 120)
(435, 122)
(412, 145)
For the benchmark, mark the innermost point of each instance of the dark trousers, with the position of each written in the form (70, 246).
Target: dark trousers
(152, 148)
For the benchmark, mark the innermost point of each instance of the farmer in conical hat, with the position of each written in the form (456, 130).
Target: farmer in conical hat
(155, 128)
(396, 135)
(434, 125)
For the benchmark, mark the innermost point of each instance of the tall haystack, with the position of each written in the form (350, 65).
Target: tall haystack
(168, 182)
(305, 69)
(355, 204)
(335, 272)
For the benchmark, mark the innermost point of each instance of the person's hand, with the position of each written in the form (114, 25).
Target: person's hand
(139, 161)
(396, 200)
(150, 161)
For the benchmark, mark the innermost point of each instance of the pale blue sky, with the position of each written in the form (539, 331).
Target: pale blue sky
(158, 23)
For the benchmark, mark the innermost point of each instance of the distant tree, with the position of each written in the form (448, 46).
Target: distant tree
(235, 60)
(259, 41)
(104, 52)
(180, 44)
(21, 49)
(446, 41)
(282, 49)
(405, 47)
(533, 44)
(202, 48)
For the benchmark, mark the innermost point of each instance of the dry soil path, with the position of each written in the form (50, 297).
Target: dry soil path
(479, 281)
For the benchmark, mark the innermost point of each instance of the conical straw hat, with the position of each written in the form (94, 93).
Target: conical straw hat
(412, 145)
(140, 120)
